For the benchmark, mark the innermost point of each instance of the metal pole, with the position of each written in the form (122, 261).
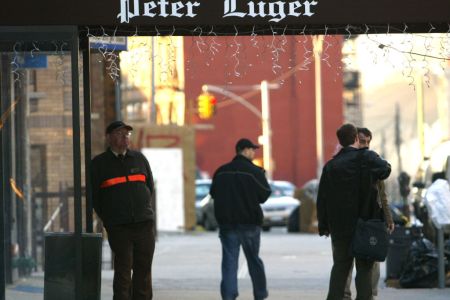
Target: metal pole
(441, 259)
(266, 130)
(118, 99)
(420, 114)
(87, 129)
(3, 194)
(27, 173)
(76, 163)
(317, 47)
(153, 103)
(447, 173)
(7, 90)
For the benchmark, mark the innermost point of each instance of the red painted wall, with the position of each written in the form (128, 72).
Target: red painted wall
(241, 61)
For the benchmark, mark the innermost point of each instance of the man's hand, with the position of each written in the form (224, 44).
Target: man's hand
(390, 227)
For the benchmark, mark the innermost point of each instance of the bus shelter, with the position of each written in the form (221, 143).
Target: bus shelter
(45, 161)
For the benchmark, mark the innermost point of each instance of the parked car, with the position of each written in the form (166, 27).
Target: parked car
(202, 187)
(279, 210)
(208, 217)
(286, 187)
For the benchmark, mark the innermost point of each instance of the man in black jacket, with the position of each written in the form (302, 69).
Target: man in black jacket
(339, 203)
(238, 188)
(122, 187)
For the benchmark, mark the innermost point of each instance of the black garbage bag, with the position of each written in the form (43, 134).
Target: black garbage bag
(447, 248)
(421, 268)
(447, 255)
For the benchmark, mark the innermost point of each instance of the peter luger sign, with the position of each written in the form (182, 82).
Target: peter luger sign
(274, 11)
(185, 15)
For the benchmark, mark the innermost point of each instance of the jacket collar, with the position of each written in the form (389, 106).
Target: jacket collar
(127, 153)
(241, 157)
(346, 149)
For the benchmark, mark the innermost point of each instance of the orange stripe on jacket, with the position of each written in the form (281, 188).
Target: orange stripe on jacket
(123, 179)
(138, 177)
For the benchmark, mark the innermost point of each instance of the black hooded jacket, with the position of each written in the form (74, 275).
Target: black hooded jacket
(238, 188)
(343, 189)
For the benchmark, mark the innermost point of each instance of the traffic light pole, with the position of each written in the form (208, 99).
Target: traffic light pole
(263, 115)
(317, 49)
(266, 129)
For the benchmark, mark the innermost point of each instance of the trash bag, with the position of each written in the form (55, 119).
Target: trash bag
(421, 268)
(447, 247)
(447, 255)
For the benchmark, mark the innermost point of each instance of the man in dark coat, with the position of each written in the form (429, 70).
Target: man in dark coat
(238, 188)
(381, 207)
(339, 203)
(122, 187)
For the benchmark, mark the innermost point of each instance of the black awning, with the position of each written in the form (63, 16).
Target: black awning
(182, 17)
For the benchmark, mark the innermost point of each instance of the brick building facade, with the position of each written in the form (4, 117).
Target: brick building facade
(292, 105)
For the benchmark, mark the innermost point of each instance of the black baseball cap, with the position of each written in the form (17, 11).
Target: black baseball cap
(245, 143)
(116, 125)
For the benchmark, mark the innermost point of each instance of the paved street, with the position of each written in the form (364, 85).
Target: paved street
(187, 266)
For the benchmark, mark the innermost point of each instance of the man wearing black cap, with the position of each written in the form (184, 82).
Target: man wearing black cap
(238, 188)
(122, 187)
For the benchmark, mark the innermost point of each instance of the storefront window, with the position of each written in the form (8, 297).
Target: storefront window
(37, 150)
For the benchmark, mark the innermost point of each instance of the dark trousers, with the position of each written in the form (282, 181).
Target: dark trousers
(133, 246)
(342, 263)
(375, 280)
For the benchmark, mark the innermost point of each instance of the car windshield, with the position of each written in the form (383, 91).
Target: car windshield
(282, 188)
(201, 190)
(286, 190)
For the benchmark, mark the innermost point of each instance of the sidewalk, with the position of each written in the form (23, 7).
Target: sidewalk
(32, 289)
(187, 267)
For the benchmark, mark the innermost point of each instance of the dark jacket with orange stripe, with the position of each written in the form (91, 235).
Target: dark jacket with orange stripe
(122, 188)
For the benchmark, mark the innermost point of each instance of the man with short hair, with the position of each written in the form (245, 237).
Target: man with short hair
(238, 188)
(365, 137)
(122, 188)
(338, 208)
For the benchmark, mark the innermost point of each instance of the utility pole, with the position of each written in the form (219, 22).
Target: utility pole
(153, 92)
(420, 114)
(398, 137)
(266, 130)
(317, 48)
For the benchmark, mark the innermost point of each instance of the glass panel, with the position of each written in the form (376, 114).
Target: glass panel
(37, 151)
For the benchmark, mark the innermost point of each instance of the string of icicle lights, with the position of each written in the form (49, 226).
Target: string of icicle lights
(207, 43)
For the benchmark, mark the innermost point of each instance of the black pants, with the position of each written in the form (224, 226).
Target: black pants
(133, 246)
(342, 262)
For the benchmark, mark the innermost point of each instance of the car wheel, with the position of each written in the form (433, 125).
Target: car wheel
(266, 228)
(208, 224)
(294, 221)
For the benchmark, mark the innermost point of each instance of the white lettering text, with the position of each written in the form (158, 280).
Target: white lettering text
(277, 10)
(292, 7)
(148, 7)
(152, 9)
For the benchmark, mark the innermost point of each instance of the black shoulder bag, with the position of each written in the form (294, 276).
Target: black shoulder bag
(370, 239)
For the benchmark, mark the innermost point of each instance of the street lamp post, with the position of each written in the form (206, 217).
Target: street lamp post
(263, 115)
(266, 130)
(317, 48)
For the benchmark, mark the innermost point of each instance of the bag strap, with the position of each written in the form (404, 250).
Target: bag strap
(367, 209)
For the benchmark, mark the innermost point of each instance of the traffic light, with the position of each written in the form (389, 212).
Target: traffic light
(206, 105)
